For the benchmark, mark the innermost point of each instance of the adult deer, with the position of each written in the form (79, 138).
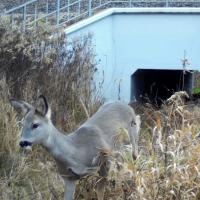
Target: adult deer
(77, 154)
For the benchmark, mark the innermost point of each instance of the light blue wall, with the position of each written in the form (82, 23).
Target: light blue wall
(102, 37)
(154, 41)
(125, 42)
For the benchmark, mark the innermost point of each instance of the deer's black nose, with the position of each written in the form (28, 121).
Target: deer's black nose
(24, 144)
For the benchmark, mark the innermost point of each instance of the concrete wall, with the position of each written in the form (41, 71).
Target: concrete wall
(128, 39)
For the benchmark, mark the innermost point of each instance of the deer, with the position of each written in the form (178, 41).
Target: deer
(77, 154)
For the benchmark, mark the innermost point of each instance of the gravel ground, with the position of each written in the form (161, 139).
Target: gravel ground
(73, 14)
(7, 4)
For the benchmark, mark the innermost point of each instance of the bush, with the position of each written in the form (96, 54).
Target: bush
(63, 71)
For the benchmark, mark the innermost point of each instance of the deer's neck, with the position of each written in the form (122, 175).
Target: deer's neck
(60, 146)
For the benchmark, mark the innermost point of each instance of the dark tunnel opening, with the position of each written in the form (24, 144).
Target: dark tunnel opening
(155, 85)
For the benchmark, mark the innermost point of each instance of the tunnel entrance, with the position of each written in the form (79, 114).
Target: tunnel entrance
(155, 85)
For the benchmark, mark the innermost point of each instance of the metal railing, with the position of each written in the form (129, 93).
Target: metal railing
(59, 12)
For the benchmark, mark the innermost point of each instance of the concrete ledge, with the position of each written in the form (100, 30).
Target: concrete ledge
(177, 10)
(111, 11)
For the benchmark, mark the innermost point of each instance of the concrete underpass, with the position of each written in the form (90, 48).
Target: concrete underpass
(157, 85)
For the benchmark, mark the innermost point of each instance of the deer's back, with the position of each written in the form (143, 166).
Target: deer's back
(110, 117)
(100, 129)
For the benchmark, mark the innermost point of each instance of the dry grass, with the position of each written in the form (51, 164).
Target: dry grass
(62, 70)
(170, 152)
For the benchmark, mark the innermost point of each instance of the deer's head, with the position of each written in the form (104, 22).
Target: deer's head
(35, 123)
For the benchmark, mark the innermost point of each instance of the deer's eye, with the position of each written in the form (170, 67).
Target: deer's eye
(34, 126)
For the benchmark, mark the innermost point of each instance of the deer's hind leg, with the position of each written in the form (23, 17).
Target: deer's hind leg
(134, 143)
(103, 173)
(134, 130)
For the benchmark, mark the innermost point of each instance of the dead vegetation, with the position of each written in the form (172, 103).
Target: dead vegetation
(61, 69)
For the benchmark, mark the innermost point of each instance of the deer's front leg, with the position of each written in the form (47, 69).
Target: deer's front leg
(70, 186)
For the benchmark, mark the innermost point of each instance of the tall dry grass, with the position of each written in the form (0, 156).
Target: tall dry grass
(48, 63)
(168, 166)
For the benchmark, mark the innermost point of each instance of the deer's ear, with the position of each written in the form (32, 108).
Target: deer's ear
(22, 106)
(43, 107)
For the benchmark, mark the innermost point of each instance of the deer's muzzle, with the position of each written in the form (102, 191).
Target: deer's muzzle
(25, 144)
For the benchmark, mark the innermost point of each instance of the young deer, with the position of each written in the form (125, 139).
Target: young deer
(77, 154)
